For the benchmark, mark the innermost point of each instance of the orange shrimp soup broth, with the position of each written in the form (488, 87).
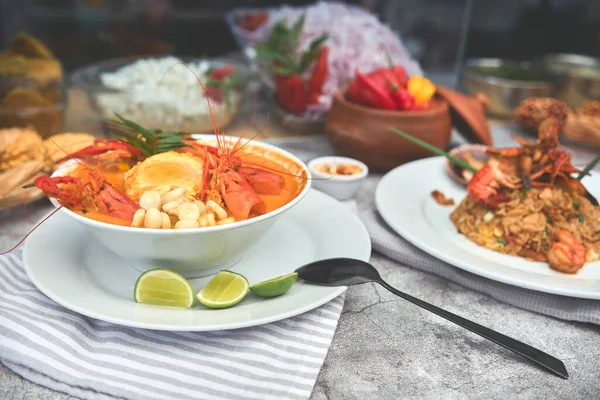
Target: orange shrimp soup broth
(293, 173)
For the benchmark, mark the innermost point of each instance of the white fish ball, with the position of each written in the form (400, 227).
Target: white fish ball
(138, 218)
(189, 212)
(167, 207)
(186, 224)
(150, 199)
(153, 219)
(173, 194)
(166, 221)
(219, 211)
(201, 206)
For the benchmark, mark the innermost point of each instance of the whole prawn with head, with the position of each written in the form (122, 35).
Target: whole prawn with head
(532, 164)
(88, 190)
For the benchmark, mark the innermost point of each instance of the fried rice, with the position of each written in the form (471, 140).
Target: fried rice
(527, 224)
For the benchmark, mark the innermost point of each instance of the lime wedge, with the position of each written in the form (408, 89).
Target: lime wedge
(226, 289)
(163, 287)
(276, 286)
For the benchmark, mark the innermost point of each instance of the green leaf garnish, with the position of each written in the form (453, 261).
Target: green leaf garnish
(296, 31)
(503, 242)
(576, 206)
(581, 218)
(461, 163)
(282, 70)
(286, 61)
(281, 48)
(149, 142)
(313, 51)
(549, 220)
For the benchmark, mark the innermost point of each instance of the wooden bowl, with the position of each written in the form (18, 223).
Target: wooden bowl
(362, 133)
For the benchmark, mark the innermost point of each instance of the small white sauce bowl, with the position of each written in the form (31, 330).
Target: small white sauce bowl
(342, 187)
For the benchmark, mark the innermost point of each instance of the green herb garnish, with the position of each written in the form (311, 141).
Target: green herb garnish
(455, 160)
(549, 220)
(576, 206)
(522, 192)
(598, 232)
(503, 242)
(588, 168)
(581, 218)
(149, 141)
(281, 48)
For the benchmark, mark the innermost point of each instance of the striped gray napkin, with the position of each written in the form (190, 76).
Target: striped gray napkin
(91, 359)
(387, 242)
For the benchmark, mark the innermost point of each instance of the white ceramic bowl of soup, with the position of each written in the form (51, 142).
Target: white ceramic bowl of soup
(193, 252)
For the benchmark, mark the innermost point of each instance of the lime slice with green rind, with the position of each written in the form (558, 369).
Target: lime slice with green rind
(224, 290)
(276, 286)
(163, 287)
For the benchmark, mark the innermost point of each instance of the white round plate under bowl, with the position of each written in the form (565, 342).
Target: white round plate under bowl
(403, 198)
(83, 276)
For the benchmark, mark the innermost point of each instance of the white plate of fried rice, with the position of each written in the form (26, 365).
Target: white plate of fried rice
(404, 200)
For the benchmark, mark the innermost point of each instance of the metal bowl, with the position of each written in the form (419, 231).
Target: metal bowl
(507, 83)
(579, 77)
(563, 62)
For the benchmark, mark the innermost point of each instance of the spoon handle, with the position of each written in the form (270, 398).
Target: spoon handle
(545, 360)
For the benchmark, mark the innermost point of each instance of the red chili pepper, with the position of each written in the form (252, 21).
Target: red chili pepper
(220, 73)
(403, 99)
(290, 93)
(374, 95)
(319, 74)
(280, 83)
(353, 94)
(424, 106)
(400, 74)
(408, 102)
(384, 76)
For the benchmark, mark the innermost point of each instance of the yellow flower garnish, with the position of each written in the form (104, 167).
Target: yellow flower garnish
(421, 88)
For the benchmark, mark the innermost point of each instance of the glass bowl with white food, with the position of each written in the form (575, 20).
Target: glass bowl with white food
(164, 92)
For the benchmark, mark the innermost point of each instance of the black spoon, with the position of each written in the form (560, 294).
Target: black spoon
(349, 272)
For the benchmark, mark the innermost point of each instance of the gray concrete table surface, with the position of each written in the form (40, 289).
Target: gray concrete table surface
(386, 348)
